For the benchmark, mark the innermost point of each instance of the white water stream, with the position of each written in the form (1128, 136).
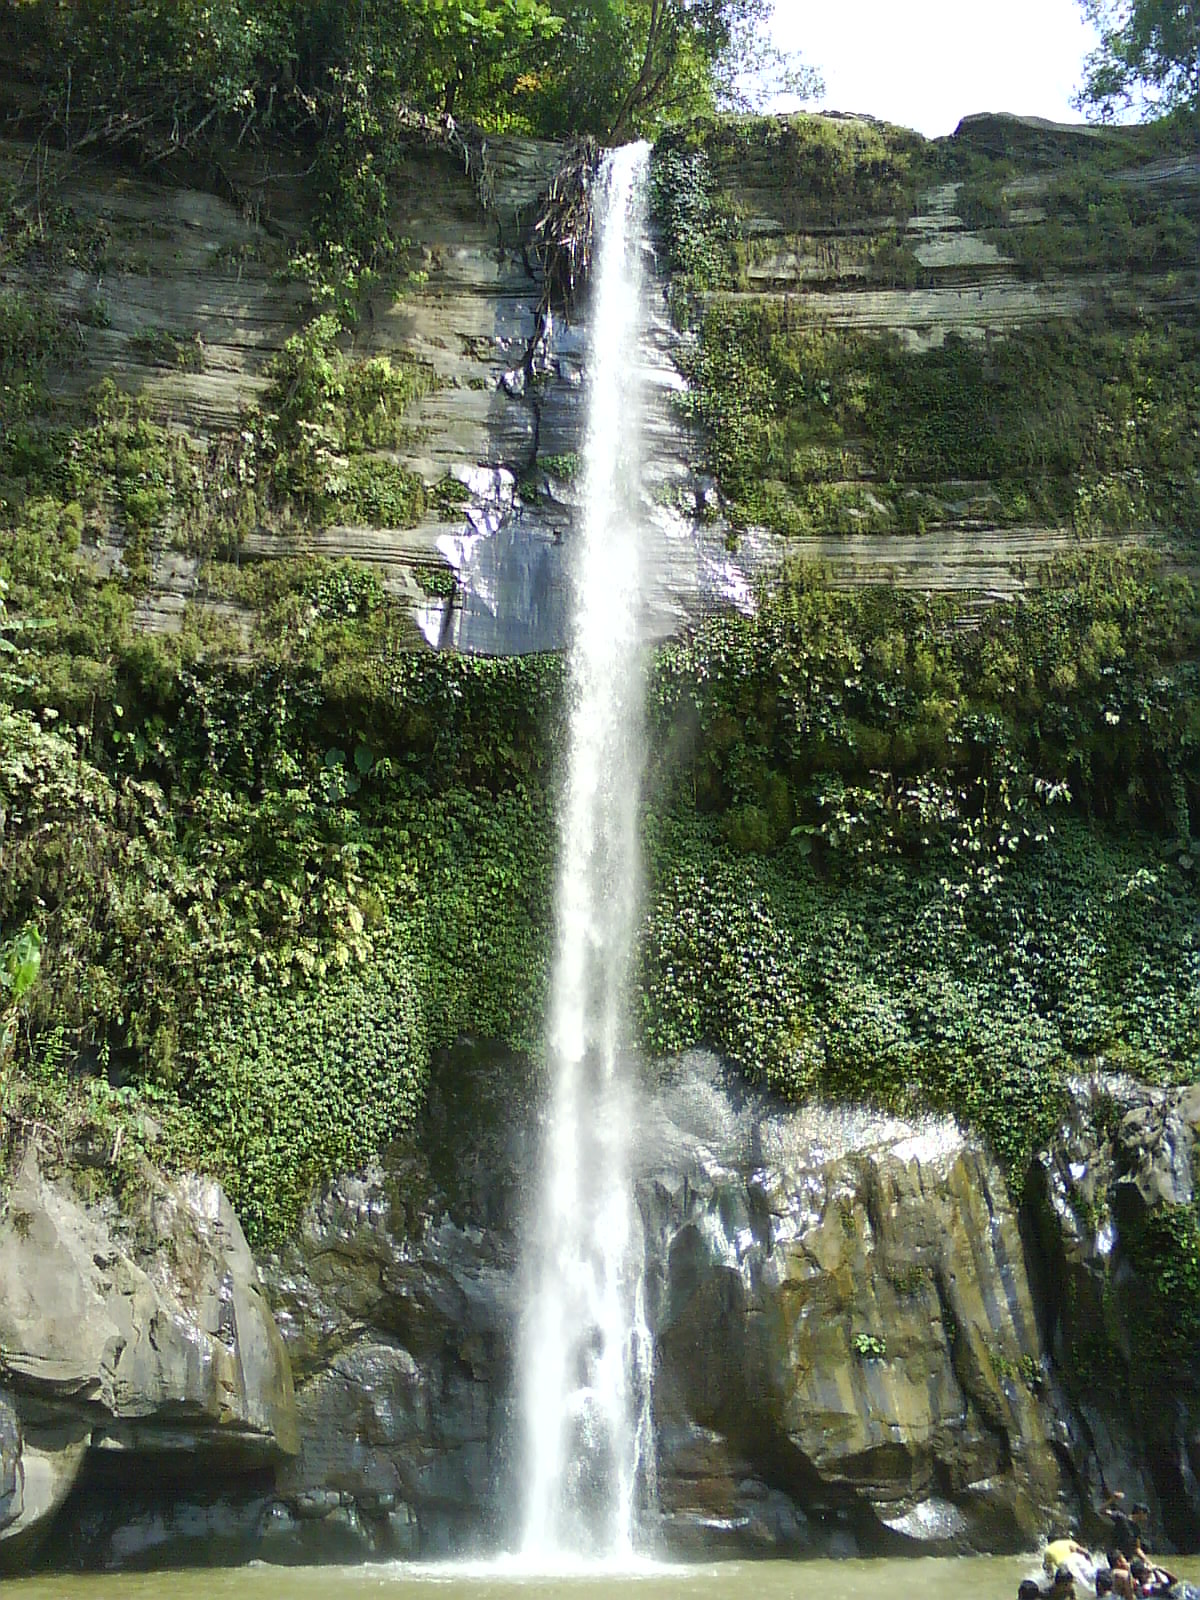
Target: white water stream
(585, 1351)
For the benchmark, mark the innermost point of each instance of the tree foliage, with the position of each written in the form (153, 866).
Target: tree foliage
(172, 75)
(350, 86)
(1148, 57)
(626, 67)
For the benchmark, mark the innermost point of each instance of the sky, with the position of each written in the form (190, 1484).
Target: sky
(927, 63)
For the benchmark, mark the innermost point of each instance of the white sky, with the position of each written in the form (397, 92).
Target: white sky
(927, 63)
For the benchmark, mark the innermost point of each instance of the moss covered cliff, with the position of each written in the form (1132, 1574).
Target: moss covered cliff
(281, 854)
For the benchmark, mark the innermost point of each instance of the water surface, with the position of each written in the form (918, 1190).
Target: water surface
(963, 1578)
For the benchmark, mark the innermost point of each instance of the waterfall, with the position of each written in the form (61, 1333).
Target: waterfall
(585, 1352)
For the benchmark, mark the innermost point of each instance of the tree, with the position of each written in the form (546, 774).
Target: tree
(624, 67)
(161, 76)
(437, 56)
(1148, 57)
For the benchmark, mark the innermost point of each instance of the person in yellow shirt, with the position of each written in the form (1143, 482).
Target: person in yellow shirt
(1058, 1551)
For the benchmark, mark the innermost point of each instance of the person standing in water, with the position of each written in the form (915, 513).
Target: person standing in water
(1058, 1551)
(1127, 1529)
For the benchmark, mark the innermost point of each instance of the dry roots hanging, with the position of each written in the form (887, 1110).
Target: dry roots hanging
(562, 231)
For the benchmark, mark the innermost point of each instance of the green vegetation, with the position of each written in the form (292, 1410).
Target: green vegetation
(325, 415)
(20, 963)
(258, 934)
(813, 171)
(1163, 1246)
(1148, 57)
(268, 896)
(1090, 422)
(814, 430)
(160, 347)
(874, 878)
(1090, 221)
(278, 860)
(170, 82)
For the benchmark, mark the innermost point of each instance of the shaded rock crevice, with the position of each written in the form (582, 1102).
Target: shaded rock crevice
(1109, 1220)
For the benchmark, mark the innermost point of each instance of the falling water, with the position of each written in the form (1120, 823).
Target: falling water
(585, 1361)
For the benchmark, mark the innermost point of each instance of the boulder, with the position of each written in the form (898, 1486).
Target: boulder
(144, 1335)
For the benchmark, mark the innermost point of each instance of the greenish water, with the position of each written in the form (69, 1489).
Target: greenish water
(966, 1578)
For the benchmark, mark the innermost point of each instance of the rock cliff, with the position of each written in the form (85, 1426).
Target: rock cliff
(140, 1339)
(183, 298)
(861, 1344)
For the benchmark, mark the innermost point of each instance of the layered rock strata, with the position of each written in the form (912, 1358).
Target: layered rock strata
(139, 268)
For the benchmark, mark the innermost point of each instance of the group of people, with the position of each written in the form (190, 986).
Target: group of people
(1128, 1571)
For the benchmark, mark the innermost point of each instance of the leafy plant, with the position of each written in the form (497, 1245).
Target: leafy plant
(1148, 56)
(870, 1347)
(160, 347)
(20, 963)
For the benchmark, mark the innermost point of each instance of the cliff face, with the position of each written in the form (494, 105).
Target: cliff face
(910, 354)
(1047, 237)
(186, 301)
(911, 369)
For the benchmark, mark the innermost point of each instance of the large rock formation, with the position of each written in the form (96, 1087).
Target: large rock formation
(858, 1349)
(127, 1340)
(868, 237)
(848, 1355)
(845, 1331)
(1115, 1252)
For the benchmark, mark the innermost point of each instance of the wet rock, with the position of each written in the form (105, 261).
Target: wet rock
(11, 1479)
(852, 1357)
(398, 1302)
(1108, 1194)
(845, 1332)
(132, 1521)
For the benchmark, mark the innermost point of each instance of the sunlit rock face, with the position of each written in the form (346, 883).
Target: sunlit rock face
(844, 1316)
(857, 1347)
(502, 415)
(127, 1340)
